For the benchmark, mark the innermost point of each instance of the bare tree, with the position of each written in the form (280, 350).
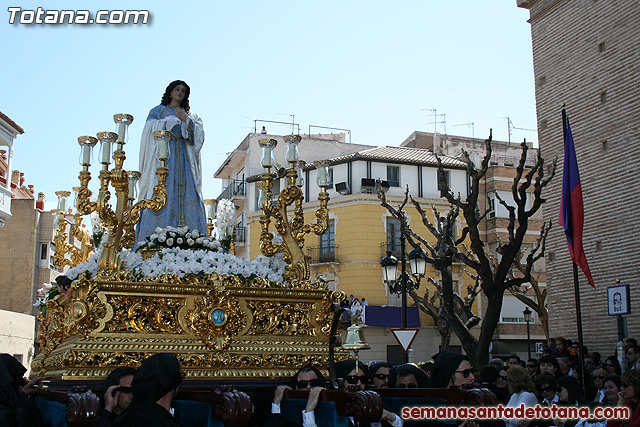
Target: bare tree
(493, 276)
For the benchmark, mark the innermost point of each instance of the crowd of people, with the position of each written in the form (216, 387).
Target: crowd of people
(358, 307)
(144, 396)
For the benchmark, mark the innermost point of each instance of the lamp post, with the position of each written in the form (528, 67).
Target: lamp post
(527, 318)
(404, 284)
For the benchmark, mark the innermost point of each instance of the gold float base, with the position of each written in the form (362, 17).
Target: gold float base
(217, 326)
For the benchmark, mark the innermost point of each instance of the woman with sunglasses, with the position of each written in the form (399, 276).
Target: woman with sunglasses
(502, 387)
(523, 392)
(613, 365)
(451, 369)
(629, 396)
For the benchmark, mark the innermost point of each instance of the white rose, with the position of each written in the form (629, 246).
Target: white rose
(190, 242)
(169, 241)
(162, 238)
(195, 234)
(179, 240)
(158, 230)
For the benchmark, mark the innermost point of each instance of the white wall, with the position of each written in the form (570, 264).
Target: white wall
(17, 335)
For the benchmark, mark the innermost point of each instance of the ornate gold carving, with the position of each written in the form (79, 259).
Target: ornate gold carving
(275, 318)
(143, 314)
(216, 318)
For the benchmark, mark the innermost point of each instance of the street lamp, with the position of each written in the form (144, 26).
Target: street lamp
(527, 318)
(403, 284)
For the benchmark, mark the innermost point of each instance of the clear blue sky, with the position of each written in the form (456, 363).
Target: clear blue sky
(368, 66)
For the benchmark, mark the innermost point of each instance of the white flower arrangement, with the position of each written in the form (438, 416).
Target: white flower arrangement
(179, 237)
(225, 218)
(181, 262)
(44, 293)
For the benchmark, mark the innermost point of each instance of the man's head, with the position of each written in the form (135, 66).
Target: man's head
(379, 374)
(589, 364)
(354, 375)
(532, 366)
(514, 360)
(549, 364)
(565, 366)
(599, 374)
(632, 355)
(307, 378)
(408, 376)
(122, 377)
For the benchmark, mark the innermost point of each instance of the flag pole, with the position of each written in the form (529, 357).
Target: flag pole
(576, 284)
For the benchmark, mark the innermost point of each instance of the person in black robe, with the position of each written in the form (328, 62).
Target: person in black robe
(16, 408)
(154, 387)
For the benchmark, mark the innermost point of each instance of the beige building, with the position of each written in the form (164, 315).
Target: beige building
(586, 55)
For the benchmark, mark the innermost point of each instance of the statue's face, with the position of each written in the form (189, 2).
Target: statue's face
(178, 93)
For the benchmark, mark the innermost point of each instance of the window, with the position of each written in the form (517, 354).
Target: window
(491, 207)
(52, 251)
(393, 236)
(327, 239)
(330, 178)
(43, 251)
(393, 176)
(446, 178)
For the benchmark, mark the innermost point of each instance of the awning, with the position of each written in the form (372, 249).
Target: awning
(391, 317)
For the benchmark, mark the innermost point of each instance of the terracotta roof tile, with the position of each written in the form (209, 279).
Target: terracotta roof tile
(401, 155)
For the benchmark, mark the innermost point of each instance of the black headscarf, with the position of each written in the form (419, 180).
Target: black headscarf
(156, 376)
(14, 370)
(374, 368)
(444, 367)
(343, 368)
(421, 376)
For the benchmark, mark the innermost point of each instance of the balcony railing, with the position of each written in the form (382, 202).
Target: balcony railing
(394, 248)
(237, 188)
(240, 234)
(323, 254)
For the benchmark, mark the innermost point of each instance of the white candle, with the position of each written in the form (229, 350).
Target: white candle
(121, 132)
(162, 148)
(211, 210)
(132, 188)
(62, 204)
(106, 152)
(86, 155)
(322, 176)
(292, 152)
(266, 157)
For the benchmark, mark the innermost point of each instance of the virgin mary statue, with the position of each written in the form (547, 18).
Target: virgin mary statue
(185, 206)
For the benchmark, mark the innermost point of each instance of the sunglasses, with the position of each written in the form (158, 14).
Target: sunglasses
(407, 385)
(548, 388)
(598, 377)
(122, 389)
(503, 377)
(354, 379)
(609, 365)
(381, 376)
(465, 373)
(304, 384)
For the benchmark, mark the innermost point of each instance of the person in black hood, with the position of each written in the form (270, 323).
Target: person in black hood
(154, 386)
(116, 394)
(15, 406)
(408, 376)
(451, 369)
(379, 374)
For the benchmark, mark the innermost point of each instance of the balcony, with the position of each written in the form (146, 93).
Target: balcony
(5, 204)
(393, 248)
(322, 254)
(237, 188)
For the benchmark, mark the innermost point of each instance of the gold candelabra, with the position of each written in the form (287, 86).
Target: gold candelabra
(292, 229)
(62, 246)
(121, 221)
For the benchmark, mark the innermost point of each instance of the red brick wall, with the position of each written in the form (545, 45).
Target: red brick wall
(586, 53)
